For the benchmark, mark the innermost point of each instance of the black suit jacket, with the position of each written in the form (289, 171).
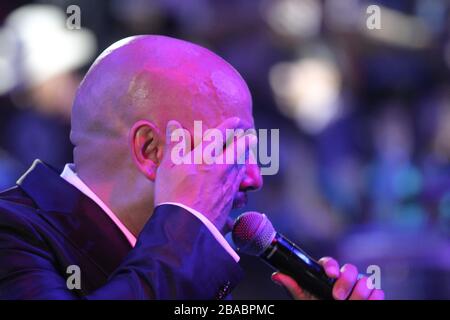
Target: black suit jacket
(47, 225)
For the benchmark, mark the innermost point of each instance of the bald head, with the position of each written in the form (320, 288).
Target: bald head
(124, 103)
(154, 78)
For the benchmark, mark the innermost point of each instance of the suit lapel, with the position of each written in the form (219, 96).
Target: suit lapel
(78, 218)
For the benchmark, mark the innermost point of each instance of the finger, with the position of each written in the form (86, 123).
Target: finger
(244, 148)
(216, 143)
(330, 266)
(345, 282)
(236, 173)
(227, 128)
(377, 294)
(361, 291)
(237, 151)
(234, 176)
(242, 170)
(229, 123)
(290, 285)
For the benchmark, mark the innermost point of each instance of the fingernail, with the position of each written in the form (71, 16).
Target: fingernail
(273, 277)
(333, 272)
(341, 294)
(253, 140)
(276, 282)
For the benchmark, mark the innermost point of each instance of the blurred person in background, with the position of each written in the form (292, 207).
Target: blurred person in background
(41, 58)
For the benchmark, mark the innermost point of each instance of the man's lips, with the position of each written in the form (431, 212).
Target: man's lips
(240, 200)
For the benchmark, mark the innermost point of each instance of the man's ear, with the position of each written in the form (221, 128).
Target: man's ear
(146, 144)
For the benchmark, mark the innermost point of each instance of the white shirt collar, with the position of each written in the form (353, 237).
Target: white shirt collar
(71, 177)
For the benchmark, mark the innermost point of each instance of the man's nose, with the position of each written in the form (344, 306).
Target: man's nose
(252, 179)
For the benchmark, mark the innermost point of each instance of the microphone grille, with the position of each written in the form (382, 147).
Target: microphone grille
(252, 233)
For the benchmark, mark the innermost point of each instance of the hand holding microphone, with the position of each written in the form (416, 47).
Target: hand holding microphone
(304, 277)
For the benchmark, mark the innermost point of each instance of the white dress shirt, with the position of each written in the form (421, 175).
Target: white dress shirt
(71, 177)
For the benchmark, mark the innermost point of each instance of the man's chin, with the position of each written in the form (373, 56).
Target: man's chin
(240, 200)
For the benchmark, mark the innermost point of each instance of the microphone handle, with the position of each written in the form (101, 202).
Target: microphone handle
(286, 257)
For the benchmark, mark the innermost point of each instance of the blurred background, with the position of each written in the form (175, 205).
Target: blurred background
(364, 116)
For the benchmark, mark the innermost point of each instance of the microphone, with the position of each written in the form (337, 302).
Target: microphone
(254, 234)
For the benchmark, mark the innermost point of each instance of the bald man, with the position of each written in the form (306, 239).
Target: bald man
(124, 221)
